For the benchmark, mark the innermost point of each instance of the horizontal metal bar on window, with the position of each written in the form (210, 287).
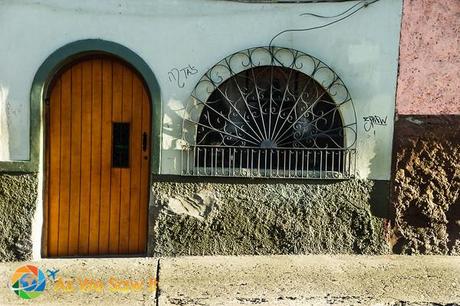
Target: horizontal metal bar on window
(256, 162)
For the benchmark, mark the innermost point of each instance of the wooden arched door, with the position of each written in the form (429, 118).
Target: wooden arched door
(97, 159)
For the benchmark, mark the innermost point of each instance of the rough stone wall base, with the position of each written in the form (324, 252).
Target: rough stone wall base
(18, 197)
(199, 218)
(426, 191)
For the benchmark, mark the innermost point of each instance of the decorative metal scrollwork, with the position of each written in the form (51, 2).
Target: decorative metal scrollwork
(271, 102)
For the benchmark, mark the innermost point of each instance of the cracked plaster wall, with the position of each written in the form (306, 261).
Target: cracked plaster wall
(221, 218)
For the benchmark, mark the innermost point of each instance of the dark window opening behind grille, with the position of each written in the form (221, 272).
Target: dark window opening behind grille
(270, 118)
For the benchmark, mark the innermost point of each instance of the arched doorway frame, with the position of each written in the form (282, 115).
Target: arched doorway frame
(38, 96)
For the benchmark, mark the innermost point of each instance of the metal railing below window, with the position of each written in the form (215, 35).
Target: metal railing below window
(256, 162)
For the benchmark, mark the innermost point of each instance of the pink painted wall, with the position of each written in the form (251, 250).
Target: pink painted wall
(429, 77)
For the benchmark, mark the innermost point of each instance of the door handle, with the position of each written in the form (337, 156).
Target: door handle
(144, 141)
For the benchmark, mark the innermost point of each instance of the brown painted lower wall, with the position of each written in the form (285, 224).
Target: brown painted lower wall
(426, 185)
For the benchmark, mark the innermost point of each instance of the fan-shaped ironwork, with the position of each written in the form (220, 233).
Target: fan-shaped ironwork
(277, 113)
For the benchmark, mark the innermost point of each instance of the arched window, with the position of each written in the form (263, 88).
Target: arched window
(268, 120)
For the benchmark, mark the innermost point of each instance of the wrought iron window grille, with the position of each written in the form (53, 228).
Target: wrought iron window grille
(270, 112)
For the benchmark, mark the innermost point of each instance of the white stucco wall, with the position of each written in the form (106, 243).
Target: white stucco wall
(167, 34)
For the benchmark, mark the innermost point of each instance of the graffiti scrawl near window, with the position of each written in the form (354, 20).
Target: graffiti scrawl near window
(178, 76)
(371, 121)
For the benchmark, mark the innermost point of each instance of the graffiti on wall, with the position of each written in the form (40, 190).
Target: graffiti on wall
(179, 76)
(370, 122)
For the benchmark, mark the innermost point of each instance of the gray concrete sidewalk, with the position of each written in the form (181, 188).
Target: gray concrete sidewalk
(246, 280)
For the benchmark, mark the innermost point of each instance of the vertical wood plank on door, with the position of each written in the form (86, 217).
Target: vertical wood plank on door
(96, 107)
(136, 159)
(145, 175)
(106, 156)
(64, 178)
(117, 79)
(54, 158)
(85, 165)
(75, 160)
(126, 172)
